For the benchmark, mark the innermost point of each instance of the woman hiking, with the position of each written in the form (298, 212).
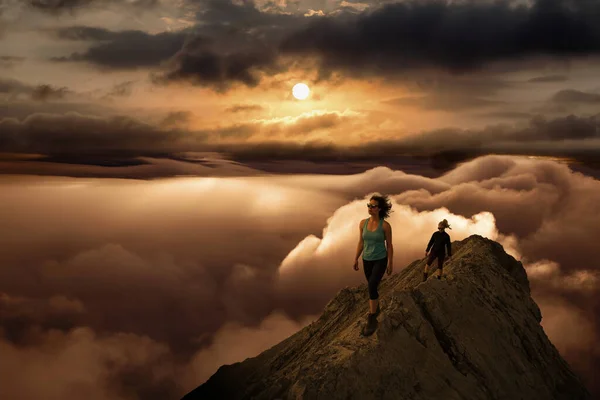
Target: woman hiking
(375, 244)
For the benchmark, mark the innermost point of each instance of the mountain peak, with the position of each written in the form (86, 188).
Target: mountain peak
(475, 334)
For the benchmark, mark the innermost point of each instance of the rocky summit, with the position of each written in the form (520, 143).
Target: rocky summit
(474, 334)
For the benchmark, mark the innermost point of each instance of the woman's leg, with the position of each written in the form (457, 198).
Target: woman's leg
(441, 258)
(379, 267)
(428, 263)
(368, 268)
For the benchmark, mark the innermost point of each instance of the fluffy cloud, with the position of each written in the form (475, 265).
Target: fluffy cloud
(82, 363)
(320, 265)
(227, 348)
(153, 277)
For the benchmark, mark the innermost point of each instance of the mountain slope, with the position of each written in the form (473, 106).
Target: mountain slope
(474, 335)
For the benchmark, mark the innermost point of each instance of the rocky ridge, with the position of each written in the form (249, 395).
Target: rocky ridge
(475, 334)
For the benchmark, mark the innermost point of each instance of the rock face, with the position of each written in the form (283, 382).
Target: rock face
(474, 335)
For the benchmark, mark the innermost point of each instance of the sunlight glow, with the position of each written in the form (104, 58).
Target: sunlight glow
(301, 91)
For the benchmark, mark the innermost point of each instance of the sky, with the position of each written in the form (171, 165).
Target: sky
(164, 195)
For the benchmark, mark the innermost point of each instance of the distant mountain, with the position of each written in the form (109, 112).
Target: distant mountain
(474, 335)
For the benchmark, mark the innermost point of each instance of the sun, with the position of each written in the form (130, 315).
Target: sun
(300, 91)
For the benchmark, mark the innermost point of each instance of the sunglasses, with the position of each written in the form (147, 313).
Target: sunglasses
(369, 205)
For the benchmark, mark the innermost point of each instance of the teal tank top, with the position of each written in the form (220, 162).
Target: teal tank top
(374, 242)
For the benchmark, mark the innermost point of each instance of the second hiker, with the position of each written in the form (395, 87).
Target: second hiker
(438, 243)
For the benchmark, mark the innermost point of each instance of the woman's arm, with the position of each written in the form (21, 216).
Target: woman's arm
(430, 243)
(361, 243)
(387, 228)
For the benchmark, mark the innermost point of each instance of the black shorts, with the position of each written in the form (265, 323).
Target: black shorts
(440, 257)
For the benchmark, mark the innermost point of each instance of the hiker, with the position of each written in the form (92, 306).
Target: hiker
(438, 242)
(375, 244)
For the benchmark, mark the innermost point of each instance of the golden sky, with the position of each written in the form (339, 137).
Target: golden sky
(194, 74)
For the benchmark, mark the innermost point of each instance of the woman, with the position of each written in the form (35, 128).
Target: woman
(375, 243)
(439, 243)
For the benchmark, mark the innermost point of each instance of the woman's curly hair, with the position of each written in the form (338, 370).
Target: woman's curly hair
(385, 205)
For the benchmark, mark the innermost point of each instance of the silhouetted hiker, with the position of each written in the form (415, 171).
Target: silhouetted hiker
(439, 240)
(375, 238)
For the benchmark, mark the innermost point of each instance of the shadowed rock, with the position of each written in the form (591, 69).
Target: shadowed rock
(475, 334)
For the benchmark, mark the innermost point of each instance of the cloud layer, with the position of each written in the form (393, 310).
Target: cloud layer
(78, 138)
(210, 261)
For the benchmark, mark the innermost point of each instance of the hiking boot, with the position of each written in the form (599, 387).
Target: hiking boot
(370, 326)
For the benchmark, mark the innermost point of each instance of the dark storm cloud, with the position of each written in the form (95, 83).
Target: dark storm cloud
(237, 43)
(123, 49)
(242, 27)
(209, 68)
(231, 44)
(458, 37)
(576, 96)
(242, 47)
